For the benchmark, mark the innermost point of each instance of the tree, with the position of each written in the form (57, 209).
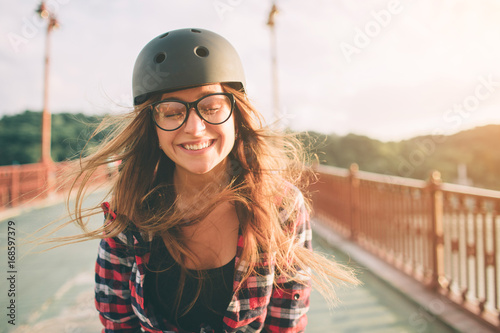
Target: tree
(20, 136)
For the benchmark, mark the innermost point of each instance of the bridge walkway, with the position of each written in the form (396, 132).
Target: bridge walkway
(54, 289)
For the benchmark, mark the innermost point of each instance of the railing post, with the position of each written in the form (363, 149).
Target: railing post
(354, 201)
(436, 195)
(46, 179)
(14, 185)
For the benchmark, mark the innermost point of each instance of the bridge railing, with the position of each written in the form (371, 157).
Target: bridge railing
(446, 236)
(20, 184)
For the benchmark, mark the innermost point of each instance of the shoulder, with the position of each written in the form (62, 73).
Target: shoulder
(126, 238)
(292, 204)
(294, 215)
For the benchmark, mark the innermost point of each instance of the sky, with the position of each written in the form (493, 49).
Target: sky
(387, 69)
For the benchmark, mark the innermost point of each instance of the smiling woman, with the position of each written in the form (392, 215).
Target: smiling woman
(200, 140)
(207, 228)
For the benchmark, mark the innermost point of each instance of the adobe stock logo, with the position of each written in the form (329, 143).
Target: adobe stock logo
(222, 7)
(453, 116)
(373, 28)
(32, 26)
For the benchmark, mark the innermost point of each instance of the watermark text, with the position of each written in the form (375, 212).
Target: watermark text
(11, 272)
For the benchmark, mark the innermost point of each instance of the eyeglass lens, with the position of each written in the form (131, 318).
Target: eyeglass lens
(214, 109)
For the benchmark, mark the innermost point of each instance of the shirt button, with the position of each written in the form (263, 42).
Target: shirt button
(296, 296)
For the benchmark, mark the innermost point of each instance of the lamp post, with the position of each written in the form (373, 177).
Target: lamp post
(46, 117)
(271, 24)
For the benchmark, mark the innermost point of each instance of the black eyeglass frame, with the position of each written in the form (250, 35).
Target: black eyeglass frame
(190, 105)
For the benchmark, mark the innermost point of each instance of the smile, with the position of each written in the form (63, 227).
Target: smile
(198, 146)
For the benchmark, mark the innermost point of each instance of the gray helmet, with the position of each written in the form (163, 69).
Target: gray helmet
(185, 58)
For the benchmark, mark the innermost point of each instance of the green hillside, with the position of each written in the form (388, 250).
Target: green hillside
(477, 148)
(20, 136)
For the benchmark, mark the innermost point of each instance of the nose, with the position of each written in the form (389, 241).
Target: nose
(194, 124)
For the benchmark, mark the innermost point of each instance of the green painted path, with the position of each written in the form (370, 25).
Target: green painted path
(54, 290)
(371, 307)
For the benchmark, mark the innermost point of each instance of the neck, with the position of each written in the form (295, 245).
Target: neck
(189, 185)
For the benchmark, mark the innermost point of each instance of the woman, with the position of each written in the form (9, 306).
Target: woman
(207, 230)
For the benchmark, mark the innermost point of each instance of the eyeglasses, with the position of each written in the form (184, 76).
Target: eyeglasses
(215, 109)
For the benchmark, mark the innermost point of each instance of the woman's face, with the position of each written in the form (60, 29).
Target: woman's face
(197, 147)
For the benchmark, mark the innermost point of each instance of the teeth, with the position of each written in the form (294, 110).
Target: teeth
(197, 146)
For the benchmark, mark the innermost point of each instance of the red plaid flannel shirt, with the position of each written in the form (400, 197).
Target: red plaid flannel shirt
(259, 306)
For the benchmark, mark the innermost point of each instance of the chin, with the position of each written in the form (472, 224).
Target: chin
(200, 170)
(203, 168)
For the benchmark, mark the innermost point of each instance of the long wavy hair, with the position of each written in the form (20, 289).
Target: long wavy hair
(265, 171)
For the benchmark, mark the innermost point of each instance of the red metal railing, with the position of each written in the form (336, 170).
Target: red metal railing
(25, 183)
(444, 235)
(22, 183)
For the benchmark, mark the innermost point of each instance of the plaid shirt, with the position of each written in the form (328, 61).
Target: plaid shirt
(259, 306)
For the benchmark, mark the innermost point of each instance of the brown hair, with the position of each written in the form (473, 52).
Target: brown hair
(266, 171)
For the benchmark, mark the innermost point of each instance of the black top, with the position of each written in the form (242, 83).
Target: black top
(161, 285)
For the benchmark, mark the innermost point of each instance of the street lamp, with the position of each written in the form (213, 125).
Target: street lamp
(46, 119)
(270, 23)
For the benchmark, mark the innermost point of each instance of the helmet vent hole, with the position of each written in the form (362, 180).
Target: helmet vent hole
(201, 51)
(164, 35)
(196, 31)
(160, 57)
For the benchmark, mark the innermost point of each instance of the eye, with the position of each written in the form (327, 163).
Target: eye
(171, 116)
(170, 110)
(210, 110)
